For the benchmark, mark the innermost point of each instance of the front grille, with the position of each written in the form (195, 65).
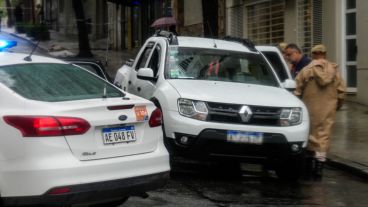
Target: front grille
(229, 113)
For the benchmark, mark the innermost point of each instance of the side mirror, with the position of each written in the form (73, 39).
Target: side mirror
(129, 62)
(146, 74)
(289, 84)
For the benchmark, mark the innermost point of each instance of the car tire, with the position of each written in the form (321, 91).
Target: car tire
(290, 170)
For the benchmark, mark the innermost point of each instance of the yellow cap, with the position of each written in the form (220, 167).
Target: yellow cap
(282, 46)
(319, 48)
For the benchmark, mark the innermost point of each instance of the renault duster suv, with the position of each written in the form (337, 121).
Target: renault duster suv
(220, 98)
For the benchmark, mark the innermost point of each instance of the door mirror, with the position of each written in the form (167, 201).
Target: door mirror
(289, 84)
(146, 74)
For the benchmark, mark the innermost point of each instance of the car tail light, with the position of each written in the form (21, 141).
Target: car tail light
(42, 126)
(58, 191)
(156, 118)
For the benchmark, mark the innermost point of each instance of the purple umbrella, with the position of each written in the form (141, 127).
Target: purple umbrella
(164, 22)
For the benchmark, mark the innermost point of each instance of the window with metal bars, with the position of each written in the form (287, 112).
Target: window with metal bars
(236, 21)
(309, 24)
(265, 22)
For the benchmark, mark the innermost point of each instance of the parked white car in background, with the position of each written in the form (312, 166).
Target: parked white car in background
(220, 99)
(68, 136)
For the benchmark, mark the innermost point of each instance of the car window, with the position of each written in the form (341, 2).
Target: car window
(154, 62)
(219, 65)
(277, 65)
(93, 68)
(53, 82)
(144, 57)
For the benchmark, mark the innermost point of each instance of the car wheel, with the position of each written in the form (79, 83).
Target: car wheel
(290, 170)
(114, 203)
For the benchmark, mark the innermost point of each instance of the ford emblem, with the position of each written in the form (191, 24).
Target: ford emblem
(123, 117)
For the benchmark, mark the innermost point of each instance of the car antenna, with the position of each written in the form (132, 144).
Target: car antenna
(28, 58)
(209, 27)
(107, 42)
(104, 95)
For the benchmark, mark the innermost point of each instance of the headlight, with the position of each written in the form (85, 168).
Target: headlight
(193, 109)
(291, 116)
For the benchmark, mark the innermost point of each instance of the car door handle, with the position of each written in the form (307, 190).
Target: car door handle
(138, 89)
(129, 82)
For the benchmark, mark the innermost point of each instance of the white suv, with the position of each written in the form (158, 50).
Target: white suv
(220, 98)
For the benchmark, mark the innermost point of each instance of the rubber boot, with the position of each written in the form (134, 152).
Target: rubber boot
(318, 170)
(309, 165)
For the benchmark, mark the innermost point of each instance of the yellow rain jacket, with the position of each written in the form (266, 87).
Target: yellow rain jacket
(322, 90)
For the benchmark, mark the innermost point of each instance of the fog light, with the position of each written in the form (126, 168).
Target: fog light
(184, 140)
(295, 147)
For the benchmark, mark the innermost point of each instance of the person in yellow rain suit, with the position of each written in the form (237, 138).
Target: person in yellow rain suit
(322, 89)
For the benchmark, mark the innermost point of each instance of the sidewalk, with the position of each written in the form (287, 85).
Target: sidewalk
(60, 46)
(349, 144)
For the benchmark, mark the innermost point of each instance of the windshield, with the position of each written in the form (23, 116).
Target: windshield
(218, 65)
(55, 82)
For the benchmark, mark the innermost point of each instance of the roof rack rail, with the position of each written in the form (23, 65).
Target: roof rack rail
(173, 40)
(246, 42)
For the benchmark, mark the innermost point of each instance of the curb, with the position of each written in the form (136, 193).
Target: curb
(348, 166)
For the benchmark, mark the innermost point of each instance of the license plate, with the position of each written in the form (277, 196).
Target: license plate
(118, 135)
(245, 137)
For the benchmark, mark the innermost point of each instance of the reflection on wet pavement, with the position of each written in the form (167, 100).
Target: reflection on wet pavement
(350, 135)
(204, 189)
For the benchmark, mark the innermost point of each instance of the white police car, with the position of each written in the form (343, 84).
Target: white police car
(68, 136)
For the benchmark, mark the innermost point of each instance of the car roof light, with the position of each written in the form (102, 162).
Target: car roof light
(4, 44)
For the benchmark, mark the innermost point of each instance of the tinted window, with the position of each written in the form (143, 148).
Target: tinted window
(93, 68)
(144, 57)
(154, 63)
(55, 82)
(277, 65)
(219, 65)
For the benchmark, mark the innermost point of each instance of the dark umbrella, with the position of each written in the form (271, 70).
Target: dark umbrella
(164, 22)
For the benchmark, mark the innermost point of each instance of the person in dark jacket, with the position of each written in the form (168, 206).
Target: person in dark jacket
(296, 58)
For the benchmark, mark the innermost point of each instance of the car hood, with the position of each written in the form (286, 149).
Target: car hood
(237, 93)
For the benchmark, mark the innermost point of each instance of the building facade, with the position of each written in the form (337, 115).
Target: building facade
(339, 24)
(126, 24)
(200, 18)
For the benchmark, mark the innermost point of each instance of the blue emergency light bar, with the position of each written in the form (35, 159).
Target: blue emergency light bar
(5, 44)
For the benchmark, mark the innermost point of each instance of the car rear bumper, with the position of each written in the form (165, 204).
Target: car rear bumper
(212, 143)
(93, 192)
(37, 174)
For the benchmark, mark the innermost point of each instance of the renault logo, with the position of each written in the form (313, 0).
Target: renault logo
(245, 113)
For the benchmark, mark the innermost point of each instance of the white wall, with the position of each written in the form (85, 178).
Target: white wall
(192, 12)
(362, 42)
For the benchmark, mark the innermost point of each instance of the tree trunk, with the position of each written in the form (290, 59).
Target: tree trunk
(210, 18)
(9, 10)
(84, 48)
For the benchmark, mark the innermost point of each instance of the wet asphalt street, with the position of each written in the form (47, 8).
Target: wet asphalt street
(200, 188)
